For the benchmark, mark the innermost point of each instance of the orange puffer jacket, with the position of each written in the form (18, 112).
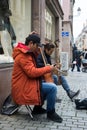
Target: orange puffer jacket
(26, 77)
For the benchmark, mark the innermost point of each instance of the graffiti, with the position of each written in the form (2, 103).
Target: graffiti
(64, 60)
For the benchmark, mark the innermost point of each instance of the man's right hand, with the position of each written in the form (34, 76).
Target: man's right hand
(54, 68)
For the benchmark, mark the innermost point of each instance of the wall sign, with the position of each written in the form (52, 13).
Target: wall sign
(65, 34)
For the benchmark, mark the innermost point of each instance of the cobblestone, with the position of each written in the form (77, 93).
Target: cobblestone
(72, 119)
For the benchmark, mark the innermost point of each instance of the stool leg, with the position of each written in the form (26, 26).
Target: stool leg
(29, 111)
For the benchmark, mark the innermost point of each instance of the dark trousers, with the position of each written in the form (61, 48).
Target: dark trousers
(78, 67)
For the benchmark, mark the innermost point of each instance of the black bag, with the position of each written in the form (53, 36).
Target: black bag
(8, 108)
(81, 104)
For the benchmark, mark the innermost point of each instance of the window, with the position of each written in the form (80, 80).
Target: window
(49, 26)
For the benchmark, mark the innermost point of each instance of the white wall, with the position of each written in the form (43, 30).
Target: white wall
(21, 18)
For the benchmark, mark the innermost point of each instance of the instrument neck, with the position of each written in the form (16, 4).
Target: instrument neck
(43, 57)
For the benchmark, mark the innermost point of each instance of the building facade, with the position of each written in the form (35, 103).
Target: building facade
(81, 41)
(44, 16)
(67, 28)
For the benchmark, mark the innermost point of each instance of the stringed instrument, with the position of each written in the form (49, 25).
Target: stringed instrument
(57, 61)
(48, 76)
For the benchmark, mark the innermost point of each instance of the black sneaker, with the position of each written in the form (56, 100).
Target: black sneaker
(72, 94)
(81, 104)
(10, 109)
(38, 110)
(54, 117)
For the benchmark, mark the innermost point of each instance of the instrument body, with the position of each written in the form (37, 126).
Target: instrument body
(58, 71)
(48, 76)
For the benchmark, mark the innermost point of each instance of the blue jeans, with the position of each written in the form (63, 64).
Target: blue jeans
(49, 91)
(63, 82)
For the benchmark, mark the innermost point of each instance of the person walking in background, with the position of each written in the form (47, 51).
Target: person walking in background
(27, 85)
(76, 59)
(48, 50)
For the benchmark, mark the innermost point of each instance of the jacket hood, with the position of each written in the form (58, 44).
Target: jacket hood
(20, 48)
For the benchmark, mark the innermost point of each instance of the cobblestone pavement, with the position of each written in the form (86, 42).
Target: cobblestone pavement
(72, 119)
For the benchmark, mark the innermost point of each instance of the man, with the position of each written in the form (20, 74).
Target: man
(27, 86)
(77, 56)
(48, 50)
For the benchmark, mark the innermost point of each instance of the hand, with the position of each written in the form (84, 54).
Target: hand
(58, 65)
(47, 64)
(34, 32)
(54, 68)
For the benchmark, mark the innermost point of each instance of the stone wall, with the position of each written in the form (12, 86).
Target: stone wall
(5, 82)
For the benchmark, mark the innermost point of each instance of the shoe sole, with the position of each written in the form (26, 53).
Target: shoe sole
(81, 107)
(59, 121)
